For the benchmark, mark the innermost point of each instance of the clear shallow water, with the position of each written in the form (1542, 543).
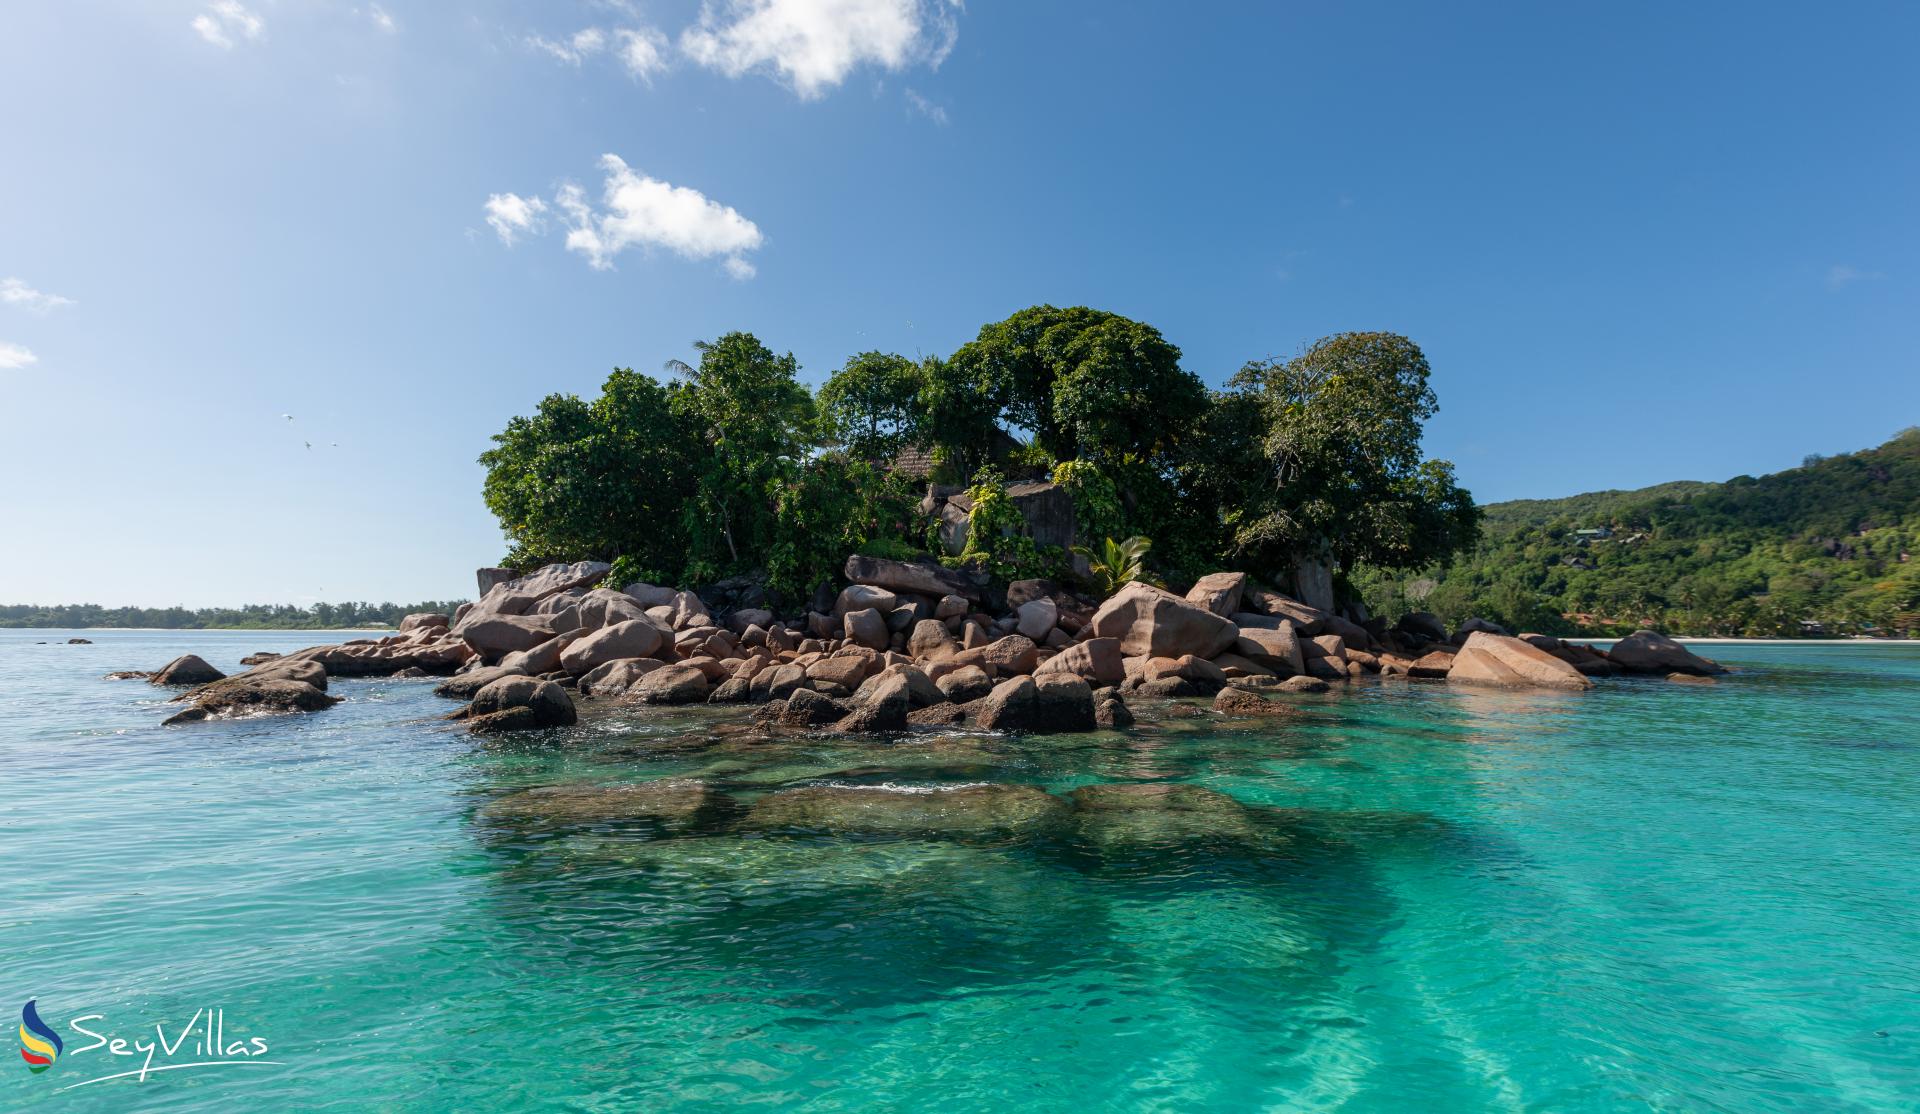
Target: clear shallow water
(1647, 896)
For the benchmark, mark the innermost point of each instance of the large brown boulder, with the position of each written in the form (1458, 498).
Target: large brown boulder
(1151, 621)
(1308, 620)
(1239, 702)
(860, 597)
(1219, 592)
(1505, 661)
(670, 684)
(491, 636)
(1015, 653)
(1096, 661)
(867, 627)
(420, 620)
(1036, 618)
(909, 576)
(603, 607)
(616, 677)
(1278, 649)
(965, 684)
(462, 686)
(634, 638)
(187, 669)
(1652, 652)
(1011, 706)
(552, 579)
(931, 641)
(544, 658)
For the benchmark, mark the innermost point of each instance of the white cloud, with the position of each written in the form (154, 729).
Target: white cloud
(226, 22)
(813, 44)
(383, 19)
(13, 357)
(1845, 274)
(581, 44)
(643, 51)
(510, 215)
(15, 292)
(647, 213)
(927, 108)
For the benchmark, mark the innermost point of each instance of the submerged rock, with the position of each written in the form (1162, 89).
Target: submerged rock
(967, 811)
(1158, 814)
(673, 806)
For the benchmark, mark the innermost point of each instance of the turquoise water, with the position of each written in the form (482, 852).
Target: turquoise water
(1647, 896)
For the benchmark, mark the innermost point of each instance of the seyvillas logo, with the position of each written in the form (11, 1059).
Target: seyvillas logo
(203, 1042)
(40, 1046)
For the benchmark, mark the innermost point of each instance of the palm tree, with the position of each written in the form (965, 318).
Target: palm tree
(1118, 563)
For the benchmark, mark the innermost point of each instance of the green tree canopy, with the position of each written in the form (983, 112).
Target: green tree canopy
(1088, 383)
(593, 480)
(872, 405)
(1340, 471)
(756, 423)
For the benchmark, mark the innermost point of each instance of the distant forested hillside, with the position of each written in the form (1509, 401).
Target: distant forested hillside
(321, 616)
(1826, 548)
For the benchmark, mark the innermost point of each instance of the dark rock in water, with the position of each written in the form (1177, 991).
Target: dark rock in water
(1240, 702)
(462, 686)
(1304, 684)
(261, 658)
(805, 708)
(874, 718)
(1063, 702)
(128, 675)
(412, 673)
(1110, 711)
(187, 669)
(516, 703)
(964, 811)
(1690, 679)
(265, 696)
(1652, 652)
(79, 641)
(673, 806)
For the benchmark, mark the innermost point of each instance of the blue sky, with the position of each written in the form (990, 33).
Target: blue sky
(1637, 242)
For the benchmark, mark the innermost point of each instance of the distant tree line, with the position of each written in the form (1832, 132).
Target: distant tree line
(257, 616)
(1831, 547)
(732, 466)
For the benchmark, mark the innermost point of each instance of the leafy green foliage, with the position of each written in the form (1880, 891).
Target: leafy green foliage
(831, 508)
(1096, 501)
(1339, 471)
(959, 414)
(1829, 543)
(995, 540)
(1115, 563)
(755, 421)
(1088, 383)
(871, 406)
(593, 480)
